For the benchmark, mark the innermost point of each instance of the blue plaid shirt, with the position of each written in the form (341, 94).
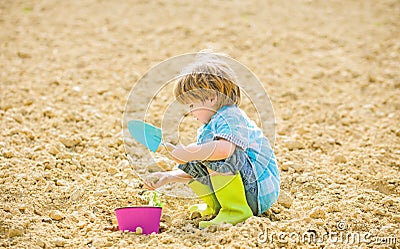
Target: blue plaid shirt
(233, 125)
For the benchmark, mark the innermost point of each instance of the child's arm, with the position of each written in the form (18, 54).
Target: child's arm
(211, 151)
(158, 179)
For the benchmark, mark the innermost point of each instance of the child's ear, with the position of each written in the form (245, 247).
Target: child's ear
(213, 100)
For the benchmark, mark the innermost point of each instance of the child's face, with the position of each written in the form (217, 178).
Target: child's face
(203, 111)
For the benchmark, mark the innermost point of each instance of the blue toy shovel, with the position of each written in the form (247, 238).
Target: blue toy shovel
(148, 135)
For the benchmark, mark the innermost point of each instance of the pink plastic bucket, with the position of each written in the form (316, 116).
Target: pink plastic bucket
(148, 218)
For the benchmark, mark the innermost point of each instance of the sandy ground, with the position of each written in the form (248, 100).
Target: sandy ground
(331, 69)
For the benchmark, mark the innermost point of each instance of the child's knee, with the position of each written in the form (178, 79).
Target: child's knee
(212, 172)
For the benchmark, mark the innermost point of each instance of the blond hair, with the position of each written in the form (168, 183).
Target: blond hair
(207, 77)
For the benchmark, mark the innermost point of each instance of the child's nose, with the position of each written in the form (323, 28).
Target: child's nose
(190, 112)
(193, 113)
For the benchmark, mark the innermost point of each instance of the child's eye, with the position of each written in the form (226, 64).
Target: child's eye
(191, 106)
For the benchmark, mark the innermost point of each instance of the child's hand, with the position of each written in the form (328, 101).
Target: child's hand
(156, 180)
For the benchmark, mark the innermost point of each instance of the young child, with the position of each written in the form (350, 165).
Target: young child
(232, 167)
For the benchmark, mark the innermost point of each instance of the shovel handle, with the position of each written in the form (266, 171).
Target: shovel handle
(169, 146)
